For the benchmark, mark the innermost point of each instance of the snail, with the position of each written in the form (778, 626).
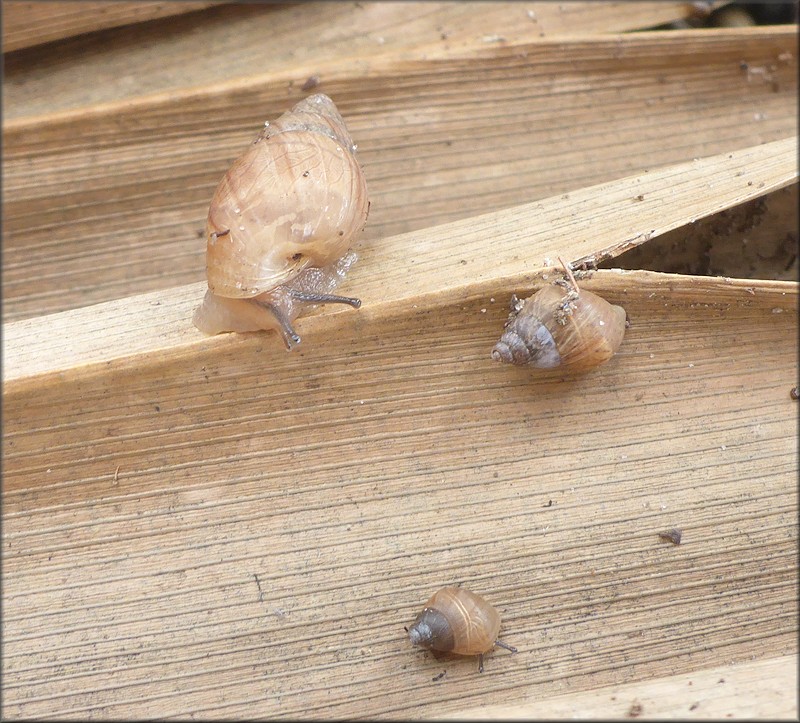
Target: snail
(560, 326)
(457, 621)
(281, 222)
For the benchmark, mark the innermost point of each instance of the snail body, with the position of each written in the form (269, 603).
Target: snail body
(281, 222)
(455, 620)
(561, 327)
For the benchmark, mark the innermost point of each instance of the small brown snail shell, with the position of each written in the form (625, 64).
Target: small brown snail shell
(561, 327)
(281, 222)
(457, 621)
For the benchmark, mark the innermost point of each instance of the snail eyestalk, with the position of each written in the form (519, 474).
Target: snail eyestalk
(506, 646)
(314, 298)
(290, 337)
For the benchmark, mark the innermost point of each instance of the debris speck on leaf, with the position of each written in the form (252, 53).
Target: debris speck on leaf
(673, 536)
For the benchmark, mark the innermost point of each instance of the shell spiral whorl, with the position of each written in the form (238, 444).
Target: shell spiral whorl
(559, 326)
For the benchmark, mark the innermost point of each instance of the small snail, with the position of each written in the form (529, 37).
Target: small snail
(458, 621)
(561, 326)
(281, 222)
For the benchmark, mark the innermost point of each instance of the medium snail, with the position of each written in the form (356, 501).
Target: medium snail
(457, 621)
(560, 326)
(281, 222)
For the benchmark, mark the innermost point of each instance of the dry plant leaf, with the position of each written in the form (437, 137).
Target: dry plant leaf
(756, 688)
(267, 37)
(251, 522)
(211, 527)
(32, 23)
(425, 269)
(755, 240)
(126, 189)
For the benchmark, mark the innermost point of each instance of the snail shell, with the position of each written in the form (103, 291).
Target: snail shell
(458, 621)
(281, 222)
(560, 326)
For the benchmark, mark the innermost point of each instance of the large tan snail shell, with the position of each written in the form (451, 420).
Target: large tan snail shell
(556, 327)
(458, 621)
(293, 201)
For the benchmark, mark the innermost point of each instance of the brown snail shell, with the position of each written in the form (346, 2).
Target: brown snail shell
(281, 221)
(561, 327)
(458, 621)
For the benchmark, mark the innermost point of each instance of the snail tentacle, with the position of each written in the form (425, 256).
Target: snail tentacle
(506, 646)
(320, 298)
(290, 337)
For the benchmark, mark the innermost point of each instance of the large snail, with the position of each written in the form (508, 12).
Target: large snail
(561, 325)
(457, 621)
(281, 222)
